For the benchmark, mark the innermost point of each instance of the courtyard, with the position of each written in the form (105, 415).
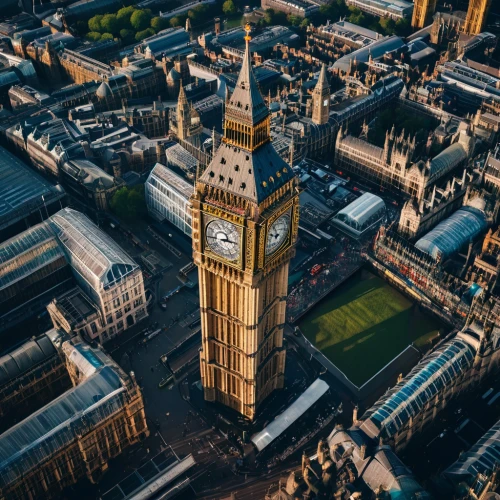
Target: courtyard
(364, 324)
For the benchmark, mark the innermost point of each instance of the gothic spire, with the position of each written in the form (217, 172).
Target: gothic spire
(322, 80)
(246, 103)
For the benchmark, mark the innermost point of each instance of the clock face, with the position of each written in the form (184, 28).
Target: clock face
(277, 233)
(223, 238)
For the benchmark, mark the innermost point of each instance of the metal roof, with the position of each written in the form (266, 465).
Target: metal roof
(24, 358)
(362, 213)
(290, 415)
(91, 252)
(430, 377)
(23, 254)
(166, 176)
(54, 426)
(450, 235)
(22, 190)
(252, 175)
(482, 458)
(447, 160)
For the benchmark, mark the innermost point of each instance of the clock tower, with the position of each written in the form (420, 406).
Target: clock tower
(245, 212)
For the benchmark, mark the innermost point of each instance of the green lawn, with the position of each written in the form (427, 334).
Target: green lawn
(364, 324)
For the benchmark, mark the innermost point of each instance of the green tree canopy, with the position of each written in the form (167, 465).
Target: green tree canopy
(176, 21)
(388, 25)
(95, 23)
(141, 35)
(129, 203)
(229, 8)
(93, 36)
(106, 36)
(159, 23)
(140, 20)
(123, 17)
(403, 27)
(127, 36)
(110, 23)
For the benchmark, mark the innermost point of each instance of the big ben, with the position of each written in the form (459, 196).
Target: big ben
(245, 212)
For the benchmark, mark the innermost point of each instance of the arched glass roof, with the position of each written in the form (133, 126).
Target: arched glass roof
(24, 358)
(362, 213)
(482, 458)
(55, 425)
(453, 233)
(407, 399)
(91, 251)
(446, 161)
(25, 253)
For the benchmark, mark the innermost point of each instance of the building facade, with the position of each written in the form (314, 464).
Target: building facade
(395, 9)
(477, 14)
(108, 276)
(245, 224)
(76, 434)
(422, 13)
(168, 198)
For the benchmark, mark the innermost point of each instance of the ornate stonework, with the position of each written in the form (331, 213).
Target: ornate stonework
(245, 224)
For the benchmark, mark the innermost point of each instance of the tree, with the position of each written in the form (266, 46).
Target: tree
(229, 8)
(141, 35)
(110, 24)
(294, 20)
(95, 23)
(106, 36)
(129, 203)
(388, 25)
(403, 27)
(127, 36)
(305, 23)
(123, 17)
(269, 16)
(175, 21)
(159, 23)
(93, 36)
(140, 20)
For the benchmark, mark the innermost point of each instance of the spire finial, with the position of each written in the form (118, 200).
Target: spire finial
(248, 29)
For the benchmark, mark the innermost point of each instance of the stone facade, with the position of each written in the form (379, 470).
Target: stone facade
(245, 223)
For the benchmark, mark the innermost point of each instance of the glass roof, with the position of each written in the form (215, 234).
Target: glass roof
(290, 415)
(21, 187)
(90, 250)
(363, 212)
(446, 161)
(482, 458)
(25, 253)
(450, 235)
(25, 357)
(392, 412)
(55, 425)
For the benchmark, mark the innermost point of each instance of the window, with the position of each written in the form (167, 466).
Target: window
(119, 313)
(116, 302)
(127, 308)
(109, 320)
(125, 297)
(119, 326)
(93, 328)
(138, 302)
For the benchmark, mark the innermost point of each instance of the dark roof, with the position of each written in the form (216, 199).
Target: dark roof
(254, 176)
(24, 358)
(21, 189)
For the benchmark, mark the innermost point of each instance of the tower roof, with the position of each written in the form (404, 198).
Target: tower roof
(322, 80)
(182, 100)
(246, 102)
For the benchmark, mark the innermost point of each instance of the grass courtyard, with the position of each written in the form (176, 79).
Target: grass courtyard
(364, 324)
